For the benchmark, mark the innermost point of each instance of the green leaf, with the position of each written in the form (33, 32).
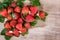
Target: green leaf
(35, 2)
(25, 33)
(44, 19)
(2, 19)
(5, 5)
(1, 6)
(37, 18)
(46, 14)
(33, 23)
(5, 1)
(20, 3)
(7, 37)
(3, 31)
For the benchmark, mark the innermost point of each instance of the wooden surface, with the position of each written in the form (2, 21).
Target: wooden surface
(51, 31)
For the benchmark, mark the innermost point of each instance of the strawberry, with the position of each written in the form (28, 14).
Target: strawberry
(8, 17)
(7, 25)
(13, 4)
(8, 33)
(27, 25)
(17, 9)
(13, 23)
(10, 9)
(4, 13)
(25, 10)
(42, 14)
(33, 10)
(16, 32)
(29, 18)
(20, 20)
(23, 30)
(19, 26)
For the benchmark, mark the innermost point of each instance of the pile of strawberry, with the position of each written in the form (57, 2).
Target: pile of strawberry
(20, 18)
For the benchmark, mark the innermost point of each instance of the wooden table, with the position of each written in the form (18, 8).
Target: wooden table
(51, 31)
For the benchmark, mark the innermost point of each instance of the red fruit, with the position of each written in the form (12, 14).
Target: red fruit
(13, 4)
(29, 18)
(27, 25)
(19, 26)
(4, 13)
(25, 10)
(9, 18)
(23, 30)
(20, 20)
(7, 25)
(33, 10)
(17, 9)
(16, 32)
(8, 33)
(13, 23)
(10, 9)
(42, 14)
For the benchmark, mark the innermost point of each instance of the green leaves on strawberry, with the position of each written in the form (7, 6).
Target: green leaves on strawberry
(46, 14)
(1, 6)
(7, 37)
(3, 31)
(35, 2)
(7, 1)
(33, 23)
(2, 19)
(37, 18)
(20, 2)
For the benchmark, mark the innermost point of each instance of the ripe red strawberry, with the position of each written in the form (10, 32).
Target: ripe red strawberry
(8, 33)
(13, 4)
(10, 9)
(17, 9)
(7, 25)
(8, 17)
(13, 23)
(29, 18)
(19, 26)
(33, 10)
(25, 10)
(16, 32)
(20, 20)
(23, 30)
(4, 13)
(27, 25)
(42, 14)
